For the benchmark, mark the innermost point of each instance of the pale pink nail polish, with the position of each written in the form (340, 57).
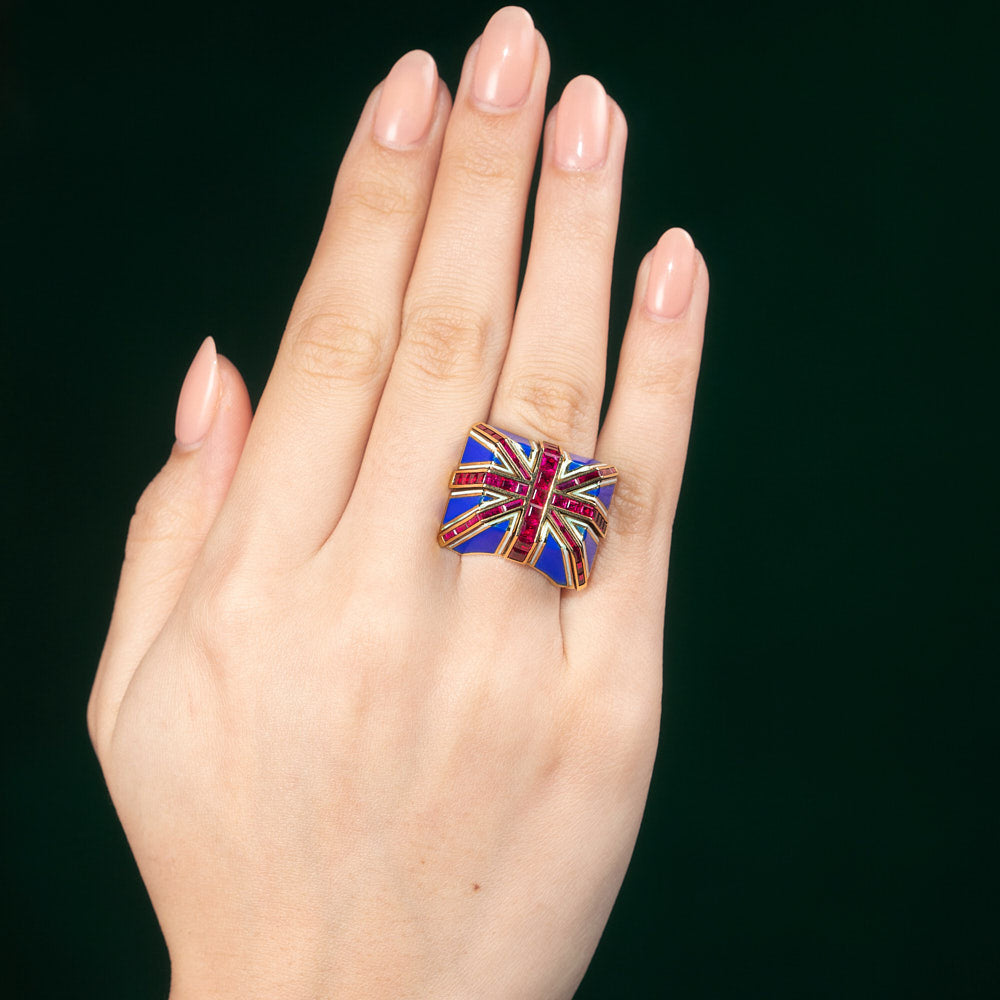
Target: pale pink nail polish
(671, 275)
(199, 397)
(506, 59)
(406, 104)
(581, 135)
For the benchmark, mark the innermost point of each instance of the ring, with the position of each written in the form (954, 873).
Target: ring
(528, 501)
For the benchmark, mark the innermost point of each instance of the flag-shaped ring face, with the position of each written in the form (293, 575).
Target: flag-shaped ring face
(529, 501)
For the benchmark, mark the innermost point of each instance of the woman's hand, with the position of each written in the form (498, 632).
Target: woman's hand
(351, 763)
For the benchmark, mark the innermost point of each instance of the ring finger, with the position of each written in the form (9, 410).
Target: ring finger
(552, 381)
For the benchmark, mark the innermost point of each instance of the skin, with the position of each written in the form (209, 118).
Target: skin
(351, 763)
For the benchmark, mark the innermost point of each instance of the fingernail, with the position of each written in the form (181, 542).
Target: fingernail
(581, 140)
(671, 275)
(199, 397)
(506, 59)
(406, 105)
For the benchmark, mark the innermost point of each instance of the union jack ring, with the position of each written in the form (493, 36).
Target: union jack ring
(528, 501)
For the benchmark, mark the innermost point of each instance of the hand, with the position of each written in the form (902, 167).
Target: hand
(351, 763)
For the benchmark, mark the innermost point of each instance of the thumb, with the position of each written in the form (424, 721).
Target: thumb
(170, 523)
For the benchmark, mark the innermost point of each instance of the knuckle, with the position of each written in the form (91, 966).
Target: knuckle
(635, 505)
(561, 405)
(489, 164)
(584, 221)
(379, 195)
(592, 230)
(673, 374)
(446, 341)
(338, 346)
(159, 517)
(226, 609)
(226, 612)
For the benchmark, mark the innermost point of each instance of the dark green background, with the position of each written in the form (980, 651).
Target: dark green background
(823, 818)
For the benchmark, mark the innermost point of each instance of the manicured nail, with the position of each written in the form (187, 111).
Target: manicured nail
(581, 140)
(671, 275)
(199, 398)
(406, 105)
(506, 59)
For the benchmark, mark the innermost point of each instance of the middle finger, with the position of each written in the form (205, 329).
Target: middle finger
(459, 305)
